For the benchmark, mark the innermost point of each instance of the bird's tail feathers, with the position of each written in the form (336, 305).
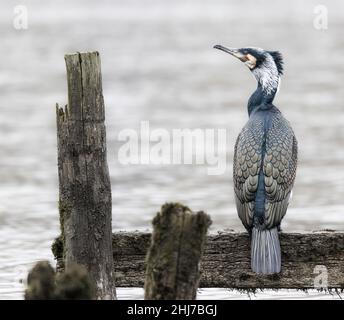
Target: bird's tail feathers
(265, 251)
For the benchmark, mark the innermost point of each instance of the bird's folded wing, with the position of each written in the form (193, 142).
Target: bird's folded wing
(279, 169)
(246, 167)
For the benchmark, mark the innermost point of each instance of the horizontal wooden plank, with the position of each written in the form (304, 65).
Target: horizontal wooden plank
(226, 260)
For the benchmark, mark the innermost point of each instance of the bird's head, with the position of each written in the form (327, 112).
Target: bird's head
(266, 66)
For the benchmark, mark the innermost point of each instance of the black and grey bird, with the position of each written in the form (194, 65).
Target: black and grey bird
(265, 160)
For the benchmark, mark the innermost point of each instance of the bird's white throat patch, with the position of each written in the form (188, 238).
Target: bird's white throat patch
(267, 75)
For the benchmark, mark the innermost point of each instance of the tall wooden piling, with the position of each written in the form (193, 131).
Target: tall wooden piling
(84, 183)
(174, 256)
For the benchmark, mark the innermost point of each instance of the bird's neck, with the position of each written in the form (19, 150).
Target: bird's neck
(262, 98)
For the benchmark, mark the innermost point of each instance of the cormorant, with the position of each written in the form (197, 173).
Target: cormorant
(265, 160)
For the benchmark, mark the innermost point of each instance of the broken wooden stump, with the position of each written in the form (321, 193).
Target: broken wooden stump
(40, 282)
(43, 283)
(84, 183)
(175, 253)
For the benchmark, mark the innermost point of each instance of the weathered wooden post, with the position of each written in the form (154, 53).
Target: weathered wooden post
(226, 261)
(174, 256)
(84, 183)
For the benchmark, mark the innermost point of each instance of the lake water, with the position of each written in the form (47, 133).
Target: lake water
(158, 65)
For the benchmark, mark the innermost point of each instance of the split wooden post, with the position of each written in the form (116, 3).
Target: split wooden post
(84, 182)
(175, 253)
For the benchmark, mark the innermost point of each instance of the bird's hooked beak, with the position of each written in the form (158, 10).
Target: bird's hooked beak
(249, 60)
(232, 51)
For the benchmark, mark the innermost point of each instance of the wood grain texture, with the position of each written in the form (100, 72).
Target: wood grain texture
(84, 183)
(226, 260)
